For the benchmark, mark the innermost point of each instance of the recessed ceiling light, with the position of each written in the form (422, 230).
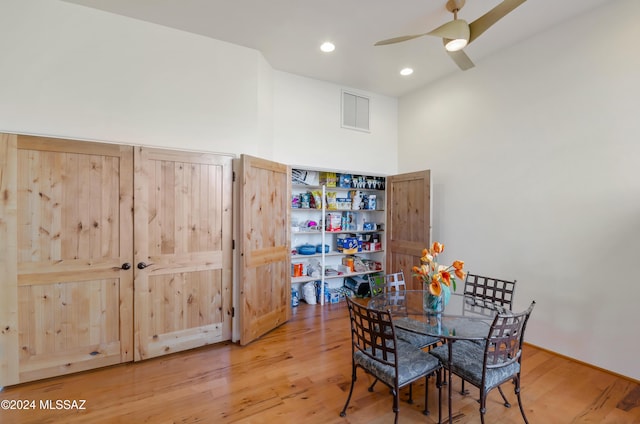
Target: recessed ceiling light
(406, 71)
(327, 47)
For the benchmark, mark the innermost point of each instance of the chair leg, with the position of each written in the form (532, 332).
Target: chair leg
(506, 402)
(439, 384)
(483, 405)
(517, 390)
(410, 401)
(396, 402)
(353, 382)
(372, 386)
(426, 396)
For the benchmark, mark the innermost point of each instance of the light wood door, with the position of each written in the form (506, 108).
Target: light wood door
(70, 292)
(265, 205)
(183, 250)
(408, 222)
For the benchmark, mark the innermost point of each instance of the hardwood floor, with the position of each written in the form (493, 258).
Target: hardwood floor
(301, 372)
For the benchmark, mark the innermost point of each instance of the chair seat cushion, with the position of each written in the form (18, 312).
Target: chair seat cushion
(413, 363)
(467, 363)
(418, 340)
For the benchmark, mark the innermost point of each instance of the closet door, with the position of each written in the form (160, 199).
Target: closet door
(265, 252)
(408, 221)
(73, 234)
(183, 250)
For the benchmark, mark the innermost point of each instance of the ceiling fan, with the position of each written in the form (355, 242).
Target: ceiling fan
(457, 34)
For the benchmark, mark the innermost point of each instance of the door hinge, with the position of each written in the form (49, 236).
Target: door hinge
(233, 245)
(233, 312)
(233, 177)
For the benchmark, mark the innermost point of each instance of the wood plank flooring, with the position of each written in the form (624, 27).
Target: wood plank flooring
(301, 372)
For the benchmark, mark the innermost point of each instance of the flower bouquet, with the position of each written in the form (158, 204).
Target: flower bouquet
(437, 279)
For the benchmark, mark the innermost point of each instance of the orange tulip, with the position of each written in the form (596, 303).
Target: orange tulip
(437, 247)
(460, 274)
(458, 264)
(435, 288)
(446, 278)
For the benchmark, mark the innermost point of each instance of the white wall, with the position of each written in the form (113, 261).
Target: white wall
(308, 132)
(76, 72)
(535, 161)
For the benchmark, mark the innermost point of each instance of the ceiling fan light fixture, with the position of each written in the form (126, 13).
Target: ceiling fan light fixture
(455, 45)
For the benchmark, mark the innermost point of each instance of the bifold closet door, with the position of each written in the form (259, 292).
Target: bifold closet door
(265, 248)
(183, 250)
(72, 290)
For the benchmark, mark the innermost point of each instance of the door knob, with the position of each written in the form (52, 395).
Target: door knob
(126, 266)
(142, 265)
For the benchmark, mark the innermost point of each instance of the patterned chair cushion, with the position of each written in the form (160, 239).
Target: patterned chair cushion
(467, 363)
(418, 340)
(412, 363)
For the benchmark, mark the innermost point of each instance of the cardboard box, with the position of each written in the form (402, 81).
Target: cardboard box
(334, 222)
(371, 246)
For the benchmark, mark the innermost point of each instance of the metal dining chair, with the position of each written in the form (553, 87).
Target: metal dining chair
(498, 361)
(395, 286)
(376, 349)
(495, 290)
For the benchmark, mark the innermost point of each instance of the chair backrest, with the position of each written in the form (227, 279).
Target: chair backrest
(376, 284)
(373, 333)
(489, 288)
(504, 344)
(395, 282)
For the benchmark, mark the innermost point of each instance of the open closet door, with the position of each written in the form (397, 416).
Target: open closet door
(265, 205)
(408, 222)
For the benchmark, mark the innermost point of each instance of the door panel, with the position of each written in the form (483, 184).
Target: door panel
(74, 232)
(265, 205)
(9, 352)
(408, 222)
(183, 235)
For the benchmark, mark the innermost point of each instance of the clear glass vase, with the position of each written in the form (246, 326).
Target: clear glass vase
(435, 304)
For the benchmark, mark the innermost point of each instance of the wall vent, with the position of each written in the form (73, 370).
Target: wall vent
(355, 111)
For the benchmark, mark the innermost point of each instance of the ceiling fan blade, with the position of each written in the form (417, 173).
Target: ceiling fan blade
(398, 39)
(485, 21)
(461, 59)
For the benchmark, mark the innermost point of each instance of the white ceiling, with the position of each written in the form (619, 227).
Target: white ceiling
(289, 33)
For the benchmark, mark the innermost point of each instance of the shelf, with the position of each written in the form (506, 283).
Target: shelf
(352, 210)
(315, 255)
(354, 231)
(335, 210)
(349, 274)
(328, 218)
(306, 279)
(333, 253)
(299, 280)
(319, 187)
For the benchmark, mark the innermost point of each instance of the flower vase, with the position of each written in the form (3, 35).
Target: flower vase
(435, 304)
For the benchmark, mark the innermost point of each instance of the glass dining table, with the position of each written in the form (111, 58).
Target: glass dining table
(464, 317)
